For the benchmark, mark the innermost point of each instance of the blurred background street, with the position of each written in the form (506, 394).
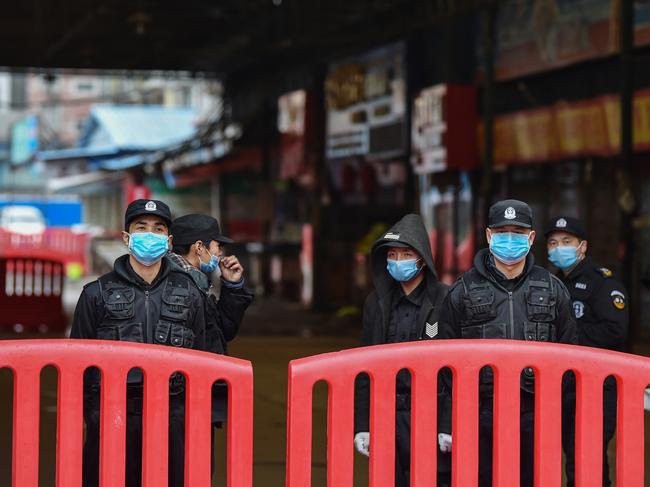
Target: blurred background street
(308, 128)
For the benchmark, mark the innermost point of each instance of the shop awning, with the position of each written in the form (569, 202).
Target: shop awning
(85, 179)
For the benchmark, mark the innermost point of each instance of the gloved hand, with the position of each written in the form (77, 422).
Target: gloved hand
(444, 441)
(362, 443)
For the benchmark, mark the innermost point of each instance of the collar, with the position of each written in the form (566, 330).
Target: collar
(500, 276)
(125, 270)
(577, 271)
(417, 295)
(181, 261)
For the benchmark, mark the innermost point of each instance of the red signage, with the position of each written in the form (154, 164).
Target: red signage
(443, 118)
(565, 130)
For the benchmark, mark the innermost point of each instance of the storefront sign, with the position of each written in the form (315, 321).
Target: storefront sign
(443, 116)
(366, 99)
(566, 130)
(539, 35)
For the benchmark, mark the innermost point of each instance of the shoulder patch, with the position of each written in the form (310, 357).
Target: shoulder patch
(618, 299)
(605, 272)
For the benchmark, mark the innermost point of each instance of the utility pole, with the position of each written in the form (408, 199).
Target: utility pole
(626, 193)
(489, 43)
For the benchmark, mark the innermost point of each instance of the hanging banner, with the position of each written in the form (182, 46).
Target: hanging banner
(566, 130)
(366, 105)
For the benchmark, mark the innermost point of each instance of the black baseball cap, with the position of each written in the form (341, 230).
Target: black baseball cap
(510, 212)
(566, 224)
(147, 207)
(187, 229)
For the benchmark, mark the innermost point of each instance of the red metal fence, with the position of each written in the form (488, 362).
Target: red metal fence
(465, 358)
(27, 358)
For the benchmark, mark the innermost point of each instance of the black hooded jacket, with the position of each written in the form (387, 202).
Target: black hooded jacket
(376, 312)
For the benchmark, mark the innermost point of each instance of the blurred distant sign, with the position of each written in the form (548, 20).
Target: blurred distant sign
(134, 192)
(291, 113)
(569, 130)
(366, 105)
(443, 128)
(539, 35)
(24, 140)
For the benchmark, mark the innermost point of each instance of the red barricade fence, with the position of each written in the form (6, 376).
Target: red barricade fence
(465, 359)
(26, 358)
(59, 244)
(31, 292)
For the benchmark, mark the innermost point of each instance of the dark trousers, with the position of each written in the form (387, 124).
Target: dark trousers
(403, 453)
(569, 428)
(526, 447)
(133, 475)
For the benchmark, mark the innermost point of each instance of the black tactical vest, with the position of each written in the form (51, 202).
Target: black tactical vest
(131, 314)
(526, 313)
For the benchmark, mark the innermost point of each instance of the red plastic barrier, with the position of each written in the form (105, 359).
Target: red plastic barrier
(465, 358)
(58, 244)
(31, 293)
(71, 357)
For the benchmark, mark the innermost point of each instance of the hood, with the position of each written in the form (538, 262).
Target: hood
(409, 230)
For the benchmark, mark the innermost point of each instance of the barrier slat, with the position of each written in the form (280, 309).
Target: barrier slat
(340, 428)
(112, 433)
(629, 433)
(424, 410)
(155, 430)
(239, 457)
(505, 464)
(464, 466)
(548, 427)
(26, 426)
(70, 426)
(197, 431)
(589, 429)
(299, 430)
(382, 429)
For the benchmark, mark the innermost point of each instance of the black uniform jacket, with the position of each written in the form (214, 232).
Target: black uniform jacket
(378, 305)
(600, 305)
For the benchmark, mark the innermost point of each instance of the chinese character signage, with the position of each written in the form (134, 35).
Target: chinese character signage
(366, 109)
(443, 128)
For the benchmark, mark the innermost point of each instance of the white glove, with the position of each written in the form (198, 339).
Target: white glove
(362, 443)
(444, 441)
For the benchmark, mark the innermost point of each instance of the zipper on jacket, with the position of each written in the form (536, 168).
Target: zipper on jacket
(512, 315)
(145, 328)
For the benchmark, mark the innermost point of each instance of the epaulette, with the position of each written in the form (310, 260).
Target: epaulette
(605, 272)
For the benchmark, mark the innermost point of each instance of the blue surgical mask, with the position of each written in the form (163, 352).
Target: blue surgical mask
(403, 270)
(563, 256)
(148, 248)
(509, 248)
(210, 267)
